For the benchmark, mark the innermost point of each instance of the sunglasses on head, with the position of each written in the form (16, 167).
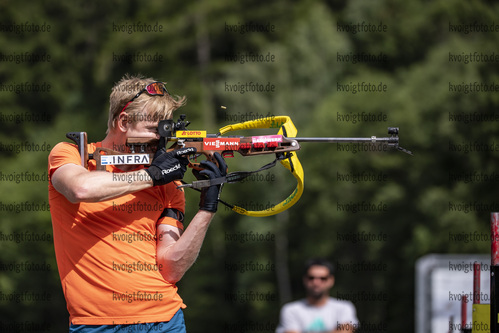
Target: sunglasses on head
(153, 89)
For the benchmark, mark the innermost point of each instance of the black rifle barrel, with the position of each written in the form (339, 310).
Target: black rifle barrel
(373, 139)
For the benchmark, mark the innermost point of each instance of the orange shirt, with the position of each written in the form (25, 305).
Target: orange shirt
(106, 251)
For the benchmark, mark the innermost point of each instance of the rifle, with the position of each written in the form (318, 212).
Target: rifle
(283, 145)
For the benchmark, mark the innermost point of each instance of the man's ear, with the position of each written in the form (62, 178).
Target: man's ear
(304, 280)
(332, 281)
(122, 122)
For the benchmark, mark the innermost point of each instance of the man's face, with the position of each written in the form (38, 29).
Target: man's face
(318, 281)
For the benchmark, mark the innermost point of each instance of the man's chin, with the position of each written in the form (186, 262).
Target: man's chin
(316, 295)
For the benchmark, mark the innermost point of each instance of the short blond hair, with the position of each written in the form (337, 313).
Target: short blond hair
(162, 106)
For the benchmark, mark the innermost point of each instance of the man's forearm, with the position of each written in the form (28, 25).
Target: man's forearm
(101, 186)
(177, 258)
(79, 185)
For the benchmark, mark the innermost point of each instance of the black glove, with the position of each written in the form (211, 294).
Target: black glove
(210, 195)
(167, 167)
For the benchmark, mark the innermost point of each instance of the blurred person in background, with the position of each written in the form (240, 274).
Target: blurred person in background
(318, 312)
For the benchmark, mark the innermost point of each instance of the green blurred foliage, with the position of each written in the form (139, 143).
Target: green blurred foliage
(200, 56)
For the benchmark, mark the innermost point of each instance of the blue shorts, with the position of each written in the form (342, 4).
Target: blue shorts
(175, 325)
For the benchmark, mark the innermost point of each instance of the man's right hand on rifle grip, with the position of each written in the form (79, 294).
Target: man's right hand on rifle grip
(169, 166)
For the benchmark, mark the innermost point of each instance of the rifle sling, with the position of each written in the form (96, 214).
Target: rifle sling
(232, 177)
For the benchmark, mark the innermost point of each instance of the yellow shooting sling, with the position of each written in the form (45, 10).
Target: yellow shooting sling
(287, 128)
